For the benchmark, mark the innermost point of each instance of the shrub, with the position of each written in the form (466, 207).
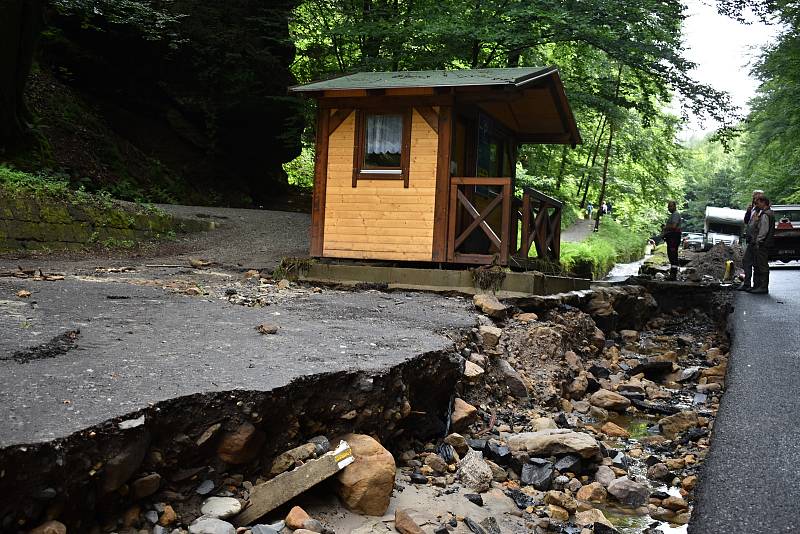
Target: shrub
(596, 256)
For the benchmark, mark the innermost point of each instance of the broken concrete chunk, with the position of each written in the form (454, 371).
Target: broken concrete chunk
(267, 496)
(285, 461)
(489, 305)
(365, 486)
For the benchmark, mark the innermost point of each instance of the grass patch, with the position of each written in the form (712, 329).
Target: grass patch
(596, 256)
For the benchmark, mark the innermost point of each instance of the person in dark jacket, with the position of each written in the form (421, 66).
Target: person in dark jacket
(672, 236)
(766, 229)
(748, 260)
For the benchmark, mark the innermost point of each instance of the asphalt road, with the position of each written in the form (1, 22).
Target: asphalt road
(750, 484)
(140, 343)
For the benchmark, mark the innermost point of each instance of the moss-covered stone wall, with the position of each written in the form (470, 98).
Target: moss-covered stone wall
(28, 222)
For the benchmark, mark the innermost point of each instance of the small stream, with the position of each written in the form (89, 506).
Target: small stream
(623, 271)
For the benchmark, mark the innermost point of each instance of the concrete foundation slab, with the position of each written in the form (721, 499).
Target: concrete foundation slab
(440, 280)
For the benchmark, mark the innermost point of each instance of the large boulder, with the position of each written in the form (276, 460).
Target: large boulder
(555, 441)
(609, 400)
(365, 486)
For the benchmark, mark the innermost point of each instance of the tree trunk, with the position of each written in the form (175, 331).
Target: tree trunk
(561, 168)
(605, 174)
(592, 155)
(588, 172)
(20, 23)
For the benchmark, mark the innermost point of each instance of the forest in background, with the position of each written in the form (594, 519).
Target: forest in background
(185, 100)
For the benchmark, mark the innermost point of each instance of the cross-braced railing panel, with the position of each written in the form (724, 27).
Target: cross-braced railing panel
(461, 205)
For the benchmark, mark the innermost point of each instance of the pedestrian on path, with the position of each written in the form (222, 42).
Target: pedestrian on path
(589, 209)
(766, 229)
(672, 236)
(748, 260)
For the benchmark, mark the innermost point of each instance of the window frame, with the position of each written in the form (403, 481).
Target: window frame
(359, 147)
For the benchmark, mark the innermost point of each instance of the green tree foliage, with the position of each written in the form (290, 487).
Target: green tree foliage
(620, 62)
(770, 152)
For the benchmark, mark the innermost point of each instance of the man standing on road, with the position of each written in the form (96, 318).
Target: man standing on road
(766, 229)
(751, 229)
(672, 236)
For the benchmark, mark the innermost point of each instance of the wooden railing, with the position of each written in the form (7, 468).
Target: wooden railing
(498, 216)
(541, 225)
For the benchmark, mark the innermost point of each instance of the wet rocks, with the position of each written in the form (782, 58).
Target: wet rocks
(365, 486)
(629, 492)
(613, 430)
(609, 400)
(555, 441)
(675, 424)
(474, 473)
(604, 475)
(593, 492)
(242, 445)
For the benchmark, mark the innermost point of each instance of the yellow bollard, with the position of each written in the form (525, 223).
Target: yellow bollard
(728, 271)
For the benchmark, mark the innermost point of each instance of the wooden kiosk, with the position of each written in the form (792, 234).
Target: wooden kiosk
(419, 166)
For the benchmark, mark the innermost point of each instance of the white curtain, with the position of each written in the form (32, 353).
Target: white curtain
(384, 134)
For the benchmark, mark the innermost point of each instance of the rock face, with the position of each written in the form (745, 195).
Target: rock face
(609, 400)
(629, 492)
(555, 441)
(489, 305)
(463, 414)
(365, 486)
(675, 424)
(242, 445)
(474, 472)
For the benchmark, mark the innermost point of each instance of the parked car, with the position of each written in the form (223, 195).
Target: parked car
(786, 243)
(692, 241)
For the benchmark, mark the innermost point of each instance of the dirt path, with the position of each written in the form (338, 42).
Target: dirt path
(580, 230)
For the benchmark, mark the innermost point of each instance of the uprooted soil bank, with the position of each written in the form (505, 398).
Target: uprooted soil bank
(634, 375)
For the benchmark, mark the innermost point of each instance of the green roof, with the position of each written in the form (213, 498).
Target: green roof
(429, 78)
